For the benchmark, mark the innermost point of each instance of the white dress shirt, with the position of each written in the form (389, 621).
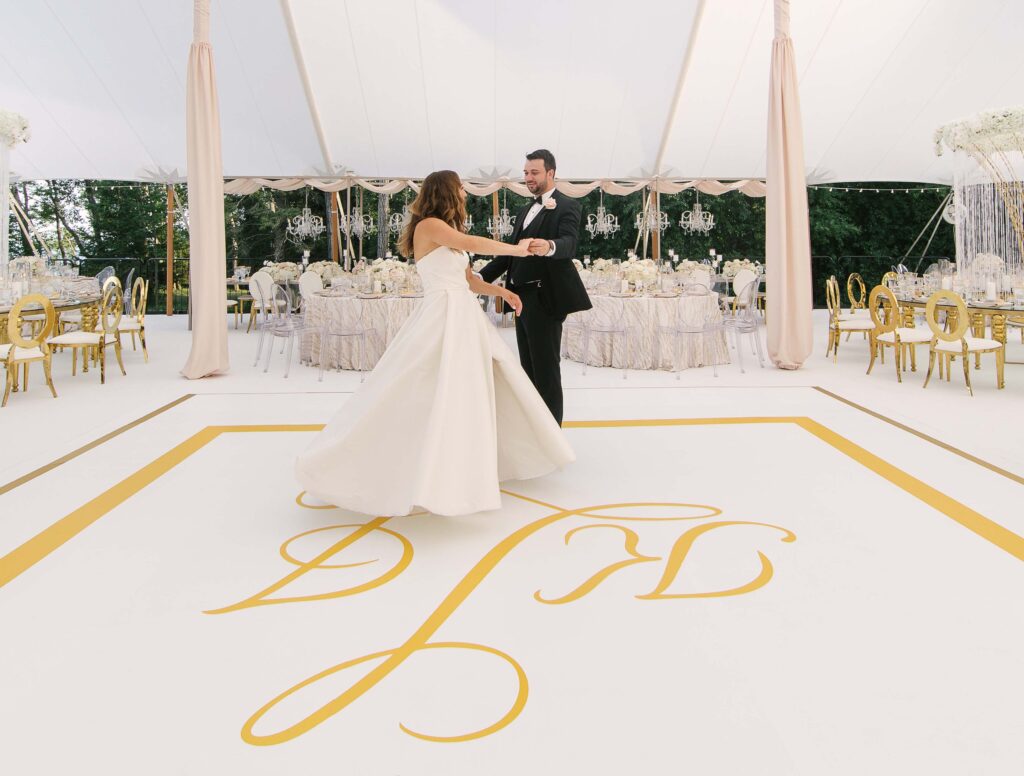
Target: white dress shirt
(535, 209)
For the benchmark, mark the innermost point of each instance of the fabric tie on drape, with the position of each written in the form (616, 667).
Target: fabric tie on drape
(208, 263)
(787, 226)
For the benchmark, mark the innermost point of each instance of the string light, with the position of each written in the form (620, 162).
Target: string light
(861, 190)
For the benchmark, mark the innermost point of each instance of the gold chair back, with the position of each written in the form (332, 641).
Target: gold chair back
(140, 292)
(956, 332)
(111, 308)
(856, 281)
(889, 277)
(832, 297)
(14, 323)
(884, 309)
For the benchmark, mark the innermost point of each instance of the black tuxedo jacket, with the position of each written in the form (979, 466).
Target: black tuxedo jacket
(561, 290)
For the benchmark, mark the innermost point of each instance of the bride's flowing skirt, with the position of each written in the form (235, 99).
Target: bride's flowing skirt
(445, 415)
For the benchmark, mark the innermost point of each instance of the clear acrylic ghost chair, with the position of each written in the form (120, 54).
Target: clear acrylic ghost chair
(284, 326)
(261, 287)
(692, 322)
(356, 332)
(746, 321)
(602, 320)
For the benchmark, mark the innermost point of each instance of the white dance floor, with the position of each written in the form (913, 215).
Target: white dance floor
(775, 573)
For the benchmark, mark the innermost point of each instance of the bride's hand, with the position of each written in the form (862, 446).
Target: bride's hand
(513, 300)
(523, 248)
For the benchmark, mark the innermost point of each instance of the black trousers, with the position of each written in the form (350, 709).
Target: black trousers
(539, 337)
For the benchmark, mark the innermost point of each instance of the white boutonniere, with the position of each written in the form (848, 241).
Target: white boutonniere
(550, 203)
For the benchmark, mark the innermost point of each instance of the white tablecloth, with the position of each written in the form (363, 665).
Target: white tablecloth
(643, 347)
(384, 317)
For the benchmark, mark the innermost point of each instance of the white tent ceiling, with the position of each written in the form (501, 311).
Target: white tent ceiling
(397, 88)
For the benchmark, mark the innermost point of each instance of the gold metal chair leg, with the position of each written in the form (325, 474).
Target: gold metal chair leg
(117, 352)
(10, 384)
(142, 339)
(24, 369)
(874, 348)
(103, 365)
(47, 370)
(931, 365)
(899, 362)
(913, 358)
(1000, 363)
(967, 374)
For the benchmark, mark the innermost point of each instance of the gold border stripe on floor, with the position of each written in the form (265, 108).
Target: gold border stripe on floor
(48, 540)
(921, 435)
(92, 445)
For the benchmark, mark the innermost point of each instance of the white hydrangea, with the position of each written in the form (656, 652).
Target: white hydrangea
(14, 128)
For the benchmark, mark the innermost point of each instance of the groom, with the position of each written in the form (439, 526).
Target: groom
(546, 281)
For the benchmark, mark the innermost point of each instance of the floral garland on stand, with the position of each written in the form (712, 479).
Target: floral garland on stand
(14, 129)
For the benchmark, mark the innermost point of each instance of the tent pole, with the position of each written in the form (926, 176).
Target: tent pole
(691, 44)
(170, 250)
(361, 216)
(335, 230)
(300, 64)
(494, 207)
(656, 234)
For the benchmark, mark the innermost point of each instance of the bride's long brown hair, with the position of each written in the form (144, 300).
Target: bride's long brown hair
(440, 197)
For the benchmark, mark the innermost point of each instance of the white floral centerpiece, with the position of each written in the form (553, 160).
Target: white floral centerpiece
(14, 128)
(602, 266)
(479, 264)
(326, 270)
(639, 270)
(689, 266)
(733, 266)
(283, 270)
(578, 264)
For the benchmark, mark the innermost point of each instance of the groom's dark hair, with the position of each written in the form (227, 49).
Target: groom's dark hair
(544, 155)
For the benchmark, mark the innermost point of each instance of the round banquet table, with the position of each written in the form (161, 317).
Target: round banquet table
(647, 348)
(384, 316)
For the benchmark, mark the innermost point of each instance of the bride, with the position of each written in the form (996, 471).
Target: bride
(448, 412)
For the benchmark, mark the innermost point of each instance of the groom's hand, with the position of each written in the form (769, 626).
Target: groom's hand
(539, 247)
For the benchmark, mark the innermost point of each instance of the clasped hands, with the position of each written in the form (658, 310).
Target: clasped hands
(533, 247)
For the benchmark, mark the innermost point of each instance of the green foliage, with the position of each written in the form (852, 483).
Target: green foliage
(850, 231)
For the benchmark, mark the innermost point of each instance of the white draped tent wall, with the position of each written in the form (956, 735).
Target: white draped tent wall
(343, 92)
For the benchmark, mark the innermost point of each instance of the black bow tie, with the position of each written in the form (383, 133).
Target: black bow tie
(539, 200)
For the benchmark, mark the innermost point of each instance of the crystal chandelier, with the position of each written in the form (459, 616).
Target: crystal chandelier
(602, 223)
(467, 225)
(306, 226)
(650, 220)
(356, 224)
(504, 225)
(398, 221)
(697, 220)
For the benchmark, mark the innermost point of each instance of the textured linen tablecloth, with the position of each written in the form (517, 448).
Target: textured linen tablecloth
(384, 317)
(643, 346)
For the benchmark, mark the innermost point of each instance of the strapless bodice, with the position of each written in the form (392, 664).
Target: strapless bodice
(443, 269)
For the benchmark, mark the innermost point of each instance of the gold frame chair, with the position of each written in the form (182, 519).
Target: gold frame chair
(96, 342)
(858, 302)
(839, 323)
(136, 324)
(889, 333)
(35, 349)
(945, 335)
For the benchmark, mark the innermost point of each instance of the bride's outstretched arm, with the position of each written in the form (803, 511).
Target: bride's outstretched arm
(439, 232)
(480, 286)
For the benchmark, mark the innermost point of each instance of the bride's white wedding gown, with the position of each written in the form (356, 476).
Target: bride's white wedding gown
(445, 415)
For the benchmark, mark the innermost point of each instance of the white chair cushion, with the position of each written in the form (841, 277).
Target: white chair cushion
(34, 317)
(859, 312)
(907, 335)
(855, 324)
(77, 338)
(19, 353)
(232, 302)
(71, 315)
(973, 344)
(128, 325)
